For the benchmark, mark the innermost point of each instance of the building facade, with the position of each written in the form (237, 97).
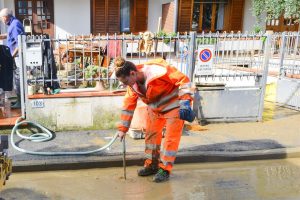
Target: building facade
(60, 18)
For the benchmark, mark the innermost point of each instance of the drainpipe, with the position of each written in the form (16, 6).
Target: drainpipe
(23, 78)
(176, 2)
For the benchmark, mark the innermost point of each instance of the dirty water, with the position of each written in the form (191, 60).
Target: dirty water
(251, 180)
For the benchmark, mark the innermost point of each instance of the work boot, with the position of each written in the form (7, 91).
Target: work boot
(161, 176)
(147, 171)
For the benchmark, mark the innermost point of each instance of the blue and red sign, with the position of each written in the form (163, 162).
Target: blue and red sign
(205, 55)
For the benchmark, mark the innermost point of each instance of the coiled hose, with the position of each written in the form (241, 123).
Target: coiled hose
(46, 135)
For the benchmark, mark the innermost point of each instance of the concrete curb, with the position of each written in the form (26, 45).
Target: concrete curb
(137, 159)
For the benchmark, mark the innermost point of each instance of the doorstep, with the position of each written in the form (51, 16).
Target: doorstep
(10, 121)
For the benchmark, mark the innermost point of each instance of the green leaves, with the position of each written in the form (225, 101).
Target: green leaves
(166, 36)
(275, 8)
(90, 71)
(258, 7)
(95, 71)
(206, 41)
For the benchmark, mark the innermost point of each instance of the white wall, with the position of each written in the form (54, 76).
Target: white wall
(9, 4)
(249, 19)
(154, 12)
(72, 17)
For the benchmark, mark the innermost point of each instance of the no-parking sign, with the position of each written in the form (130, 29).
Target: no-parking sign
(205, 60)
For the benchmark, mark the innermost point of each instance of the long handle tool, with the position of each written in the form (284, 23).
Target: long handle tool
(124, 157)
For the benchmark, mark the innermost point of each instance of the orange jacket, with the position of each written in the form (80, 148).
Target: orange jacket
(165, 87)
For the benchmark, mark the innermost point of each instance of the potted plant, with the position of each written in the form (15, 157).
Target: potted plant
(164, 41)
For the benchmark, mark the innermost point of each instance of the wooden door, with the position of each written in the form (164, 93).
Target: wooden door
(235, 15)
(40, 12)
(204, 17)
(105, 16)
(185, 15)
(139, 16)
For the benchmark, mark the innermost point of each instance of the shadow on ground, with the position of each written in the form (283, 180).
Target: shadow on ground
(21, 193)
(237, 146)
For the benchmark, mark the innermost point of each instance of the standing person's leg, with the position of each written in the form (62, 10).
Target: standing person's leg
(174, 126)
(17, 105)
(154, 127)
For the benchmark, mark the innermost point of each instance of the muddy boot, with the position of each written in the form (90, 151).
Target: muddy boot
(161, 176)
(17, 104)
(147, 171)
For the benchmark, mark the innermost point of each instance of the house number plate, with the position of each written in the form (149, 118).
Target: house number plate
(38, 103)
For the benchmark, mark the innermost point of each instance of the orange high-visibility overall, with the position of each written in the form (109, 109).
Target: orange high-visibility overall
(165, 87)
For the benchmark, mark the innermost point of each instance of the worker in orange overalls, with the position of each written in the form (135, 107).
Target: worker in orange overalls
(167, 93)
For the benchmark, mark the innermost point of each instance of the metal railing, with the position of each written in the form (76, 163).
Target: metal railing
(238, 57)
(83, 63)
(288, 65)
(289, 55)
(82, 60)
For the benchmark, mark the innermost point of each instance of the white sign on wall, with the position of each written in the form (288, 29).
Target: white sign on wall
(38, 103)
(205, 60)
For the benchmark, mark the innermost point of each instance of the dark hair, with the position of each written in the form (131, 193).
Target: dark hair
(123, 67)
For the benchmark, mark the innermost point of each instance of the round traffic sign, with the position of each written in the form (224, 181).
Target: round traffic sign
(205, 55)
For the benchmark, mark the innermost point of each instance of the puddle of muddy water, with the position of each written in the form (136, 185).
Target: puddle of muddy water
(275, 179)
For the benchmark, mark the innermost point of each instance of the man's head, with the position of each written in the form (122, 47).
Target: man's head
(126, 71)
(5, 15)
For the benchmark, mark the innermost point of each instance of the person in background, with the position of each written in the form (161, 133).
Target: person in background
(167, 93)
(15, 28)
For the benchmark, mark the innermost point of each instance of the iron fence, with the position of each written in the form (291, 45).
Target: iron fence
(85, 63)
(237, 58)
(82, 60)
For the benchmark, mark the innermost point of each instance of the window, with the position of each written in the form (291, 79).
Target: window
(115, 16)
(40, 13)
(125, 15)
(208, 15)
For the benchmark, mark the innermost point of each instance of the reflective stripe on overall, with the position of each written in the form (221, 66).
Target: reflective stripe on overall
(157, 121)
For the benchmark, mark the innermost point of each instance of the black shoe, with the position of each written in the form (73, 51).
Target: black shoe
(17, 105)
(12, 103)
(147, 171)
(161, 176)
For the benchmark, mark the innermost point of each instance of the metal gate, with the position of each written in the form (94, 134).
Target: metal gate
(232, 88)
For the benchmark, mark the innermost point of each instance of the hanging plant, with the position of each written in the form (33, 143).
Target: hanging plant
(292, 8)
(275, 8)
(166, 36)
(258, 7)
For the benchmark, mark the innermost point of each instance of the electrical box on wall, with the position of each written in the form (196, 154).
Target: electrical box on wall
(33, 54)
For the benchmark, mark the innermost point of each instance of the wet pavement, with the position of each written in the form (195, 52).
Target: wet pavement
(278, 136)
(247, 180)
